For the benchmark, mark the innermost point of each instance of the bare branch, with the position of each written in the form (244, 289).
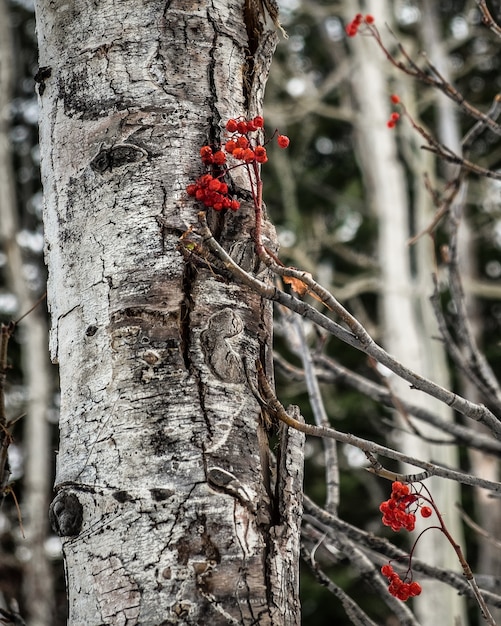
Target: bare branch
(356, 336)
(353, 611)
(273, 405)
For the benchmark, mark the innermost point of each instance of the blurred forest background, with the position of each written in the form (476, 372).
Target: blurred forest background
(345, 198)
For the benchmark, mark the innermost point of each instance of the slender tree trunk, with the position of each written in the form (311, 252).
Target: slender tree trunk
(37, 576)
(408, 326)
(487, 466)
(161, 495)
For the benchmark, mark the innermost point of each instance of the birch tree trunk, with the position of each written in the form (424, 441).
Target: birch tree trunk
(449, 133)
(161, 496)
(407, 321)
(37, 575)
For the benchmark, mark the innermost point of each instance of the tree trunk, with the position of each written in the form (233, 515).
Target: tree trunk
(449, 133)
(37, 575)
(409, 329)
(161, 495)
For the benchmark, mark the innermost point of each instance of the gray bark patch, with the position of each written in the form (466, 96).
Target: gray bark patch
(220, 343)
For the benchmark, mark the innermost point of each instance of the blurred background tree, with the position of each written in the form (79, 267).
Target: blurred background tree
(346, 198)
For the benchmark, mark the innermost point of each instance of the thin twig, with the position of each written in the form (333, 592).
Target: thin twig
(353, 611)
(321, 419)
(487, 18)
(471, 362)
(433, 80)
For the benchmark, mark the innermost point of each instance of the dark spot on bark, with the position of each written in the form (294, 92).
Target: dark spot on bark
(197, 542)
(76, 84)
(66, 514)
(183, 550)
(210, 549)
(101, 162)
(159, 443)
(180, 609)
(91, 330)
(41, 76)
(43, 73)
(108, 159)
(122, 496)
(126, 153)
(161, 494)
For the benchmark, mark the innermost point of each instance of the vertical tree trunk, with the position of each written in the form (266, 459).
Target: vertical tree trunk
(160, 490)
(408, 325)
(37, 576)
(487, 466)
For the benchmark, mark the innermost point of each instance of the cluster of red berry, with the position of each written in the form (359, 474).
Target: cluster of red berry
(396, 515)
(394, 117)
(394, 510)
(213, 193)
(210, 189)
(356, 22)
(240, 146)
(398, 587)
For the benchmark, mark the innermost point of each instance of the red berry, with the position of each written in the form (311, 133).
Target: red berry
(395, 99)
(415, 589)
(399, 488)
(206, 154)
(205, 180)
(369, 19)
(249, 155)
(258, 121)
(230, 145)
(242, 127)
(403, 592)
(283, 141)
(395, 117)
(219, 157)
(231, 125)
(426, 511)
(387, 570)
(214, 185)
(260, 153)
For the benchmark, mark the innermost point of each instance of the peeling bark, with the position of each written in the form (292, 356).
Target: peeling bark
(159, 428)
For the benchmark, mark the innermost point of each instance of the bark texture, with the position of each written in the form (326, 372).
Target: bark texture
(161, 499)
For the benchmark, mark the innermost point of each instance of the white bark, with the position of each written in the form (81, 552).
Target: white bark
(487, 466)
(408, 326)
(161, 494)
(37, 575)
